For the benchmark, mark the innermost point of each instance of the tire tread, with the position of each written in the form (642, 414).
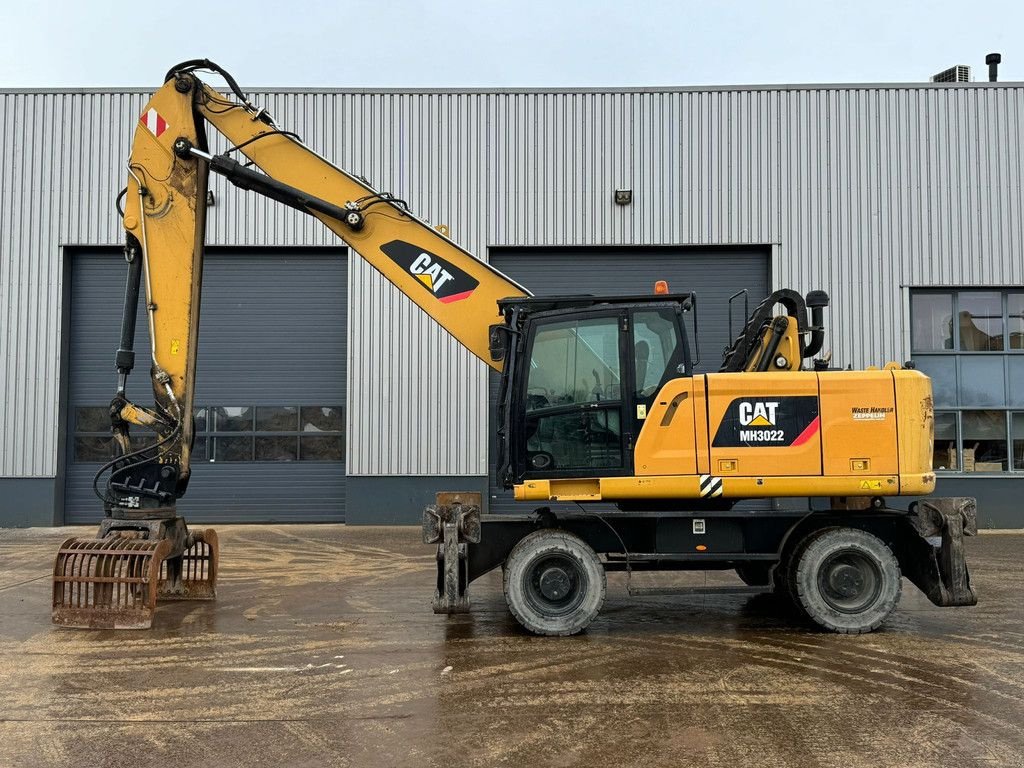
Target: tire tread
(805, 602)
(526, 549)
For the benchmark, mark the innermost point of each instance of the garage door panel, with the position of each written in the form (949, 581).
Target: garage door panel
(714, 273)
(237, 494)
(272, 333)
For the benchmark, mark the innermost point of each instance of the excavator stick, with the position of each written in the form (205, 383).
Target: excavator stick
(193, 575)
(115, 580)
(108, 583)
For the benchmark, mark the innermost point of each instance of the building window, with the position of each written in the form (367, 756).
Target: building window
(1017, 440)
(242, 433)
(971, 343)
(92, 439)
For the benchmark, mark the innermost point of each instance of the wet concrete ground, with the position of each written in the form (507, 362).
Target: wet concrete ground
(321, 651)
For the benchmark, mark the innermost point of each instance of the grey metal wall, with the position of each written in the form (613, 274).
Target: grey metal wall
(861, 189)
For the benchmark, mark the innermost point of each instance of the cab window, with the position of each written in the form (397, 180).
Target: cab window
(575, 362)
(657, 352)
(574, 398)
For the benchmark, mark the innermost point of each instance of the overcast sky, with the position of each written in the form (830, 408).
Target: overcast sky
(406, 43)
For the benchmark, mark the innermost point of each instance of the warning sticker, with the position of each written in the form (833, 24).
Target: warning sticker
(152, 120)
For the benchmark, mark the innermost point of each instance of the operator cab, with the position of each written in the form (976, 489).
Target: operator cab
(580, 376)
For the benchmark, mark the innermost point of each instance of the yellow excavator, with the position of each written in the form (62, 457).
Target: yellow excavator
(633, 461)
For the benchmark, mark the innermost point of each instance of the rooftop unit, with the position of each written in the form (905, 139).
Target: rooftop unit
(961, 73)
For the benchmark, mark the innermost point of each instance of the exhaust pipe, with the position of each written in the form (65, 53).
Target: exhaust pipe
(816, 301)
(993, 60)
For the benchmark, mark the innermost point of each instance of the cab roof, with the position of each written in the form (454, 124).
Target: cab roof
(533, 304)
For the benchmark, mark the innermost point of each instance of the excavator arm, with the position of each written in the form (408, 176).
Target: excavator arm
(165, 228)
(103, 581)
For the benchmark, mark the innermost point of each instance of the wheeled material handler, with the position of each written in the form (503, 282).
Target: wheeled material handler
(627, 458)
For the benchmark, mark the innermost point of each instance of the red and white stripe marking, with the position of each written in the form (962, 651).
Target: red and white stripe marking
(152, 120)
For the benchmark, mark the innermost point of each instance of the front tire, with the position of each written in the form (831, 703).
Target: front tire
(846, 580)
(554, 583)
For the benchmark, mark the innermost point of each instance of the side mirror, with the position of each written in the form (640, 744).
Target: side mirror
(498, 342)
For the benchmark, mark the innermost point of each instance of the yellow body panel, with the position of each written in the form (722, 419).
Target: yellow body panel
(858, 423)
(668, 442)
(700, 409)
(727, 391)
(914, 407)
(688, 487)
(861, 433)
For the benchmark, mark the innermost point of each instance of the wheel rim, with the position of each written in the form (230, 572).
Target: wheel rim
(554, 585)
(849, 581)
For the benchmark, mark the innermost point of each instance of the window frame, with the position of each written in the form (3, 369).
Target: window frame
(206, 436)
(1010, 439)
(668, 372)
(254, 433)
(620, 315)
(958, 408)
(954, 293)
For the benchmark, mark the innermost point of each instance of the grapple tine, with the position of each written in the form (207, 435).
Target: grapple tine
(108, 583)
(193, 576)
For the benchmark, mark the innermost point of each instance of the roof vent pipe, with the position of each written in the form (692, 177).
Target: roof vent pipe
(993, 60)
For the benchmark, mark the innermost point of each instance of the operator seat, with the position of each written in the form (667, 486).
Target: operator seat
(642, 354)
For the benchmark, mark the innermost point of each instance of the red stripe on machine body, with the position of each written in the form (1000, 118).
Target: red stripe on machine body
(808, 433)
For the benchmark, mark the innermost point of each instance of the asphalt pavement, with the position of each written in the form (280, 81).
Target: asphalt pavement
(321, 650)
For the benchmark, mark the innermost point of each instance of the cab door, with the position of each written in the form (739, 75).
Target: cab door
(574, 396)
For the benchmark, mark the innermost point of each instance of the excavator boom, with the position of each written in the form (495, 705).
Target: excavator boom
(144, 550)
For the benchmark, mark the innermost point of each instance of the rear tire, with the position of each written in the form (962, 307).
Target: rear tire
(554, 583)
(845, 580)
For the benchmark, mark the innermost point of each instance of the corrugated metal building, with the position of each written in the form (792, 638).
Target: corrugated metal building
(896, 199)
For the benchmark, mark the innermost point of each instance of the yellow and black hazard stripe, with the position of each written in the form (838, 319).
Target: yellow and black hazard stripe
(710, 487)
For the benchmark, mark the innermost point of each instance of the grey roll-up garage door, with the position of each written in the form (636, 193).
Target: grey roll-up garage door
(714, 273)
(270, 387)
